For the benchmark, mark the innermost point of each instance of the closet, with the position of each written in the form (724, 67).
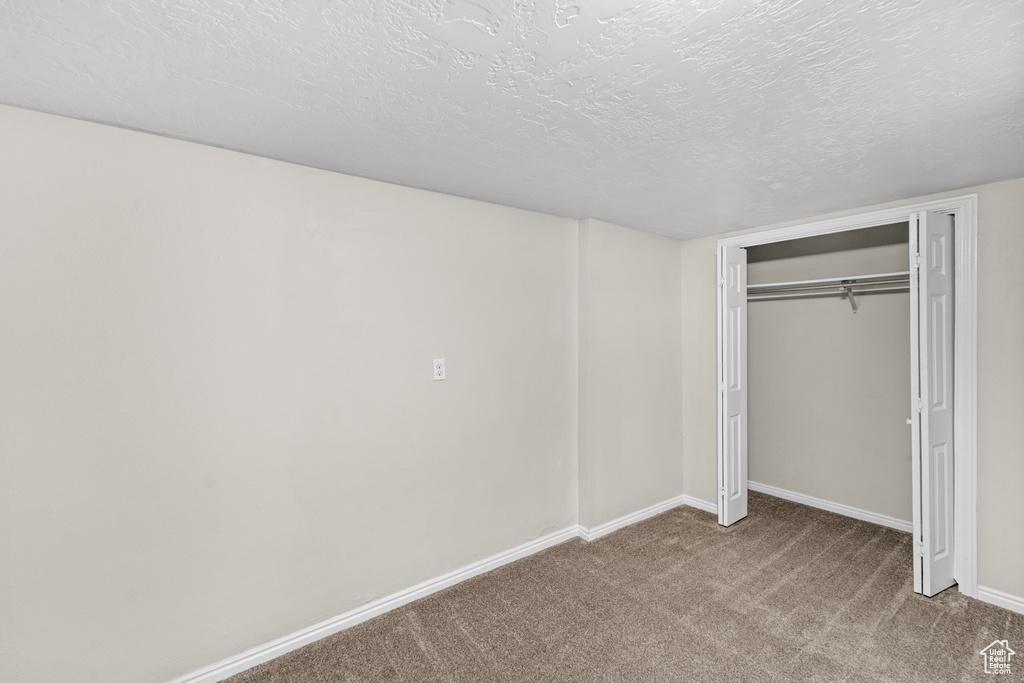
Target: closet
(828, 374)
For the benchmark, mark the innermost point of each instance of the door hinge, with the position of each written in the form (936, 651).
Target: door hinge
(918, 405)
(721, 282)
(917, 260)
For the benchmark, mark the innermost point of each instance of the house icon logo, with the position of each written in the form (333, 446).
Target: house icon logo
(997, 657)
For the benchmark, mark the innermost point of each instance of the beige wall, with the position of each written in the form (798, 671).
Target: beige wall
(219, 420)
(1000, 374)
(630, 371)
(219, 425)
(828, 389)
(1001, 387)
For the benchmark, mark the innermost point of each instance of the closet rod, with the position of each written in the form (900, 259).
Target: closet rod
(833, 283)
(833, 286)
(824, 292)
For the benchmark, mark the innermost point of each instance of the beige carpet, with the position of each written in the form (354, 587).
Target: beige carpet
(790, 594)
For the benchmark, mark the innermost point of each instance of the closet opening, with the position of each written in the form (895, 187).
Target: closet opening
(828, 376)
(847, 375)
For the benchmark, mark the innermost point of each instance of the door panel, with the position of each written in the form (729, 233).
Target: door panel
(732, 472)
(932, 349)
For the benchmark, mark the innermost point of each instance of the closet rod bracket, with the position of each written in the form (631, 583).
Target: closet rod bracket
(849, 295)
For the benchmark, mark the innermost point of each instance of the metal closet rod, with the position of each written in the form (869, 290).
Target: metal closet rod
(880, 283)
(832, 291)
(881, 279)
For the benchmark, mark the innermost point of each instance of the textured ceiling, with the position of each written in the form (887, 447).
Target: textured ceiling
(682, 118)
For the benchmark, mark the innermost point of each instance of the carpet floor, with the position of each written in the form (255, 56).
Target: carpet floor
(791, 593)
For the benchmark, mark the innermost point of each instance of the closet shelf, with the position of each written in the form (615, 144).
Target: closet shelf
(879, 283)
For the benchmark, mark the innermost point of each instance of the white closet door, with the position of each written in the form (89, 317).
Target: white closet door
(932, 313)
(732, 470)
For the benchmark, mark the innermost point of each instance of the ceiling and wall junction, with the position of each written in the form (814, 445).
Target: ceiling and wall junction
(680, 118)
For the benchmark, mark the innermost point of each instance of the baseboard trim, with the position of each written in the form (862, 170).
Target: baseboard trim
(638, 516)
(275, 648)
(838, 508)
(700, 504)
(1001, 599)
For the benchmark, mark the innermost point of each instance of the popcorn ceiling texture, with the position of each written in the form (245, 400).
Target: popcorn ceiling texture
(682, 118)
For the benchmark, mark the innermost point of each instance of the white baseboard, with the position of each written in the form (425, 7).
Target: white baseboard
(638, 516)
(700, 504)
(1004, 600)
(838, 508)
(275, 648)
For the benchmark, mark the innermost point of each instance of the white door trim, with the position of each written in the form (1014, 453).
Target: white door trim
(965, 210)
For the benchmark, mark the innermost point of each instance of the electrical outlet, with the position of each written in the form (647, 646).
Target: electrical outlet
(438, 369)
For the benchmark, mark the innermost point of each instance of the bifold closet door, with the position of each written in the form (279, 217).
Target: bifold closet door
(732, 378)
(932, 296)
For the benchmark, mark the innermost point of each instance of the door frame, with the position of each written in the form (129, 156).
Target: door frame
(965, 357)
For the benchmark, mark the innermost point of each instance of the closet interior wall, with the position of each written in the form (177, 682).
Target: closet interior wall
(829, 389)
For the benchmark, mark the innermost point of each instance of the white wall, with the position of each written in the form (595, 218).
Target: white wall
(829, 389)
(630, 371)
(219, 424)
(1000, 374)
(1001, 386)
